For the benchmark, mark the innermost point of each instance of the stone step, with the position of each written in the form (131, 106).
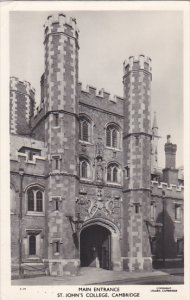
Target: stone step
(29, 270)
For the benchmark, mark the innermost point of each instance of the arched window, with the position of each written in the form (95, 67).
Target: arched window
(84, 168)
(30, 200)
(112, 136)
(109, 171)
(84, 129)
(32, 245)
(35, 199)
(113, 173)
(108, 137)
(39, 201)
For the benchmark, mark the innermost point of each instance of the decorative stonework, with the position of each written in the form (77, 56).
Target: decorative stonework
(103, 204)
(99, 149)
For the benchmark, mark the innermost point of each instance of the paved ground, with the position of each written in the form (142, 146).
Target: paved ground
(99, 276)
(155, 280)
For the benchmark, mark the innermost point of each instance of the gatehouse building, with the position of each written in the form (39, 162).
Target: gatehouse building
(86, 188)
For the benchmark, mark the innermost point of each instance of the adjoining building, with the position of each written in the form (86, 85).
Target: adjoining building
(86, 189)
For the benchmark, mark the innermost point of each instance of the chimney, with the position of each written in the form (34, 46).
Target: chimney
(170, 173)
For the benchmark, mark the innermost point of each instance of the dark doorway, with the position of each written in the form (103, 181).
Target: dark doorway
(95, 247)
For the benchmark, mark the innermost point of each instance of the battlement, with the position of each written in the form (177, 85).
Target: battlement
(23, 87)
(17, 142)
(35, 166)
(137, 63)
(24, 158)
(171, 190)
(58, 23)
(102, 94)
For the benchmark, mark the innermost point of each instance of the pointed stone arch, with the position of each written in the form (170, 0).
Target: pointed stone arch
(107, 237)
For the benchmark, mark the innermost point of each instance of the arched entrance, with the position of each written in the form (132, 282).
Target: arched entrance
(95, 247)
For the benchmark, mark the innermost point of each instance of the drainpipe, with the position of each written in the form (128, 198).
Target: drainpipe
(21, 174)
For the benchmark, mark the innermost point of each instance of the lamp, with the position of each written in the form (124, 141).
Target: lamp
(74, 222)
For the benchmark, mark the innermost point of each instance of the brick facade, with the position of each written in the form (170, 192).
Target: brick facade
(82, 162)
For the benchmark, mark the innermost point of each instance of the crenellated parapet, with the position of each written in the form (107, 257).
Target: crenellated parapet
(102, 99)
(141, 62)
(60, 23)
(25, 158)
(35, 166)
(23, 87)
(22, 104)
(170, 191)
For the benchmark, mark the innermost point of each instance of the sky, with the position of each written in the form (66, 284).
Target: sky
(106, 39)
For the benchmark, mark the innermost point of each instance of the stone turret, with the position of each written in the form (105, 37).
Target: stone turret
(61, 132)
(170, 173)
(137, 163)
(22, 104)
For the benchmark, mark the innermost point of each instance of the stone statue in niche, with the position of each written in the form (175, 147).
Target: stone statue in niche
(99, 163)
(99, 194)
(99, 170)
(99, 149)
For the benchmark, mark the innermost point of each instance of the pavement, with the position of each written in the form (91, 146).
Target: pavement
(93, 276)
